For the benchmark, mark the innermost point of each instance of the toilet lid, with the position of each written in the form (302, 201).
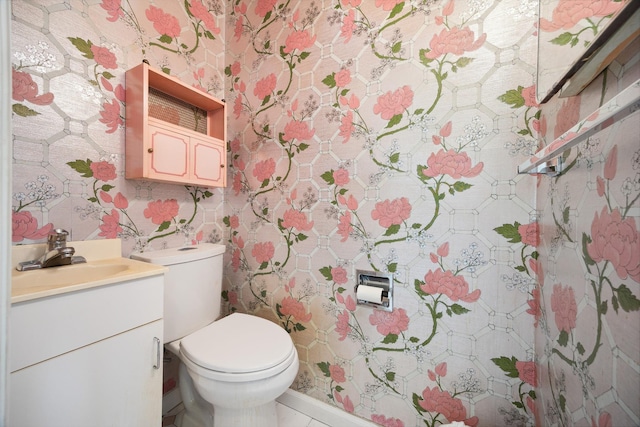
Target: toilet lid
(238, 343)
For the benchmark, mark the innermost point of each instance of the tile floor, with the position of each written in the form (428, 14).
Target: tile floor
(287, 417)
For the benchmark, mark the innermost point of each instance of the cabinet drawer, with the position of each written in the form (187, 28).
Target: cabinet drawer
(47, 327)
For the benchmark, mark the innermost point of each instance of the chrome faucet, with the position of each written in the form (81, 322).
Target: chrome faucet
(57, 253)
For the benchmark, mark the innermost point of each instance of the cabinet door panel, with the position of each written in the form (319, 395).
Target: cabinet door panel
(109, 383)
(170, 154)
(207, 159)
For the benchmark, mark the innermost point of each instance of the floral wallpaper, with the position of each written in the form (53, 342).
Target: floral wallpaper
(379, 135)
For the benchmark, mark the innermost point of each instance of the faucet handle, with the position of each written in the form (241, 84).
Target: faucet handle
(57, 238)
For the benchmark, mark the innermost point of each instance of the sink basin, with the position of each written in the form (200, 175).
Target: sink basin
(26, 285)
(67, 275)
(104, 266)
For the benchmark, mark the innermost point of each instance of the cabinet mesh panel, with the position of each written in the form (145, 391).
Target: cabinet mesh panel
(172, 110)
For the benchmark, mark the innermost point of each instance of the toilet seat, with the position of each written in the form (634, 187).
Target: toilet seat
(238, 347)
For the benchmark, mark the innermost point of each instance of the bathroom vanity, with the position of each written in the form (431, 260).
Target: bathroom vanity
(85, 341)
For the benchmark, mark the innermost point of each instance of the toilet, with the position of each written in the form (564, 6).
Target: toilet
(232, 369)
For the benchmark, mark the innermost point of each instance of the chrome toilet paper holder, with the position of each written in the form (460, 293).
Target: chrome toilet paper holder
(374, 289)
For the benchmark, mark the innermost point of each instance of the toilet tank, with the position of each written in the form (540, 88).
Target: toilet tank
(192, 286)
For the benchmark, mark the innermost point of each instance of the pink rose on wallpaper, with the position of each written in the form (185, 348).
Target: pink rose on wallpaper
(440, 371)
(347, 404)
(113, 8)
(563, 304)
(604, 420)
(296, 219)
(239, 27)
(264, 6)
(238, 241)
(103, 171)
(25, 226)
(120, 201)
(339, 275)
(446, 283)
(235, 259)
(568, 13)
(25, 89)
(452, 163)
(348, 302)
(237, 107)
(110, 115)
(237, 183)
(234, 221)
(443, 250)
(344, 226)
(265, 86)
(536, 267)
(354, 3)
(529, 95)
(120, 93)
(456, 41)
(567, 116)
(202, 13)
(292, 307)
(264, 169)
(388, 5)
(343, 77)
(341, 177)
(534, 306)
(342, 325)
(104, 57)
(616, 240)
(527, 372)
(434, 400)
(386, 422)
(337, 373)
(110, 226)
(164, 23)
(236, 68)
(445, 130)
(352, 102)
(234, 145)
(299, 40)
(263, 252)
(348, 26)
(297, 130)
(161, 211)
(394, 322)
(233, 297)
(392, 212)
(529, 234)
(346, 127)
(351, 203)
(393, 103)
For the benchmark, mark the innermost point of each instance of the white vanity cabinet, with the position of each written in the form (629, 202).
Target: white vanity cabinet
(91, 357)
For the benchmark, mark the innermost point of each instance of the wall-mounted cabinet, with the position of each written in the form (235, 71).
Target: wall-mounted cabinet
(174, 132)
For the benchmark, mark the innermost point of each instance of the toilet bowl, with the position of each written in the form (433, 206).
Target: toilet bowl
(240, 380)
(233, 368)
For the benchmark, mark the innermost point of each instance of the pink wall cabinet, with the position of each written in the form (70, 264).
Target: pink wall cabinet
(174, 133)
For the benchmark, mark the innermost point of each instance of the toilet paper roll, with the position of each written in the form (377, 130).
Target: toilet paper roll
(369, 294)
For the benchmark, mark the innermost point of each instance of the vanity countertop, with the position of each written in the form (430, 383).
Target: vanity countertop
(104, 266)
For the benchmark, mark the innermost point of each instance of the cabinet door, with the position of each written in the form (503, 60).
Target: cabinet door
(168, 155)
(109, 383)
(208, 159)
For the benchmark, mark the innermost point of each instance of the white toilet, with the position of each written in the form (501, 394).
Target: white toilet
(231, 369)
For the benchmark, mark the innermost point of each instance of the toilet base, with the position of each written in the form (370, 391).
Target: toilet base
(257, 416)
(198, 412)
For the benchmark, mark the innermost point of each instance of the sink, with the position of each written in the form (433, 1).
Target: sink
(28, 285)
(67, 275)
